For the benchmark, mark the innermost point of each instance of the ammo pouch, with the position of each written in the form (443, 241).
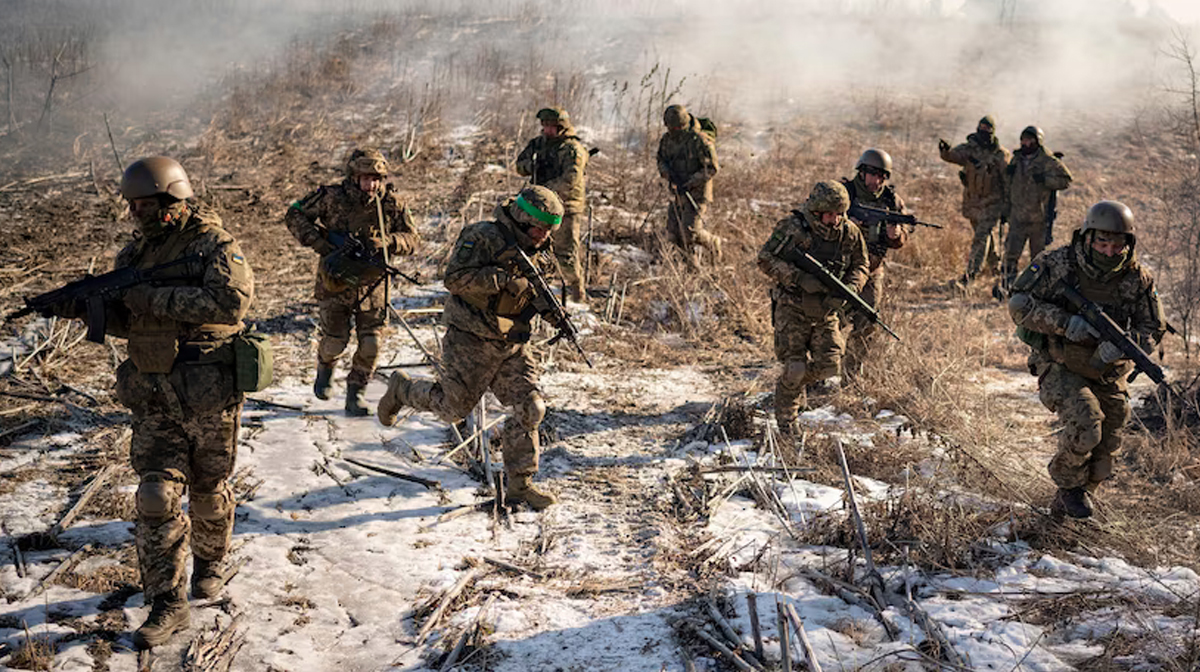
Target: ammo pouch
(253, 360)
(1034, 339)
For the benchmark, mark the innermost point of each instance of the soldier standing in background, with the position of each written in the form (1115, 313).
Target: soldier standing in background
(869, 187)
(983, 161)
(1031, 177)
(687, 159)
(365, 211)
(1081, 378)
(557, 160)
(488, 325)
(180, 386)
(805, 313)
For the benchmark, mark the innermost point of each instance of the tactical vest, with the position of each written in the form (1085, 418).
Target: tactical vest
(874, 234)
(154, 341)
(1078, 357)
(508, 313)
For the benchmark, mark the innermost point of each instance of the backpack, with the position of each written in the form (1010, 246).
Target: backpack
(708, 127)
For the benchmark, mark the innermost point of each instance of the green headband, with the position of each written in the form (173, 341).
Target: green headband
(543, 217)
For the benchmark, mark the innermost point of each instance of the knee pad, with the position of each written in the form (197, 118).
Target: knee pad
(158, 495)
(331, 347)
(368, 346)
(211, 505)
(530, 412)
(792, 375)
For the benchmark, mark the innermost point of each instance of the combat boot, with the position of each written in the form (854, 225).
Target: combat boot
(356, 406)
(521, 489)
(168, 615)
(208, 578)
(393, 399)
(323, 385)
(1073, 502)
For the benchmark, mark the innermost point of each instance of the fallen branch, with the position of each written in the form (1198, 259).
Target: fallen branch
(513, 568)
(463, 443)
(805, 645)
(58, 571)
(215, 654)
(272, 404)
(467, 578)
(84, 497)
(430, 484)
(737, 660)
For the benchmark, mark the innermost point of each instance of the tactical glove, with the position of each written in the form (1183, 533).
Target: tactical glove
(1078, 329)
(1108, 352)
(516, 285)
(943, 146)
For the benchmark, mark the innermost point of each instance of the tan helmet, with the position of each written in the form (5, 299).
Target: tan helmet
(538, 206)
(366, 162)
(875, 158)
(1110, 216)
(1035, 133)
(828, 196)
(554, 114)
(987, 120)
(154, 176)
(676, 116)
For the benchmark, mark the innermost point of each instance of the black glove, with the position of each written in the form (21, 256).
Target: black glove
(1010, 170)
(943, 146)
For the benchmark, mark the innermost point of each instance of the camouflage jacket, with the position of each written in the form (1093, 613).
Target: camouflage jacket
(982, 176)
(560, 164)
(1041, 311)
(1027, 196)
(687, 158)
(878, 242)
(200, 303)
(344, 209)
(845, 257)
(481, 264)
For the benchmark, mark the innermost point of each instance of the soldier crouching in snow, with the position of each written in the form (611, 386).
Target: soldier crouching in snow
(1081, 377)
(488, 325)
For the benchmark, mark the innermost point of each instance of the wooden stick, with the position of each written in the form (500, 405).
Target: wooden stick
(18, 558)
(84, 497)
(465, 509)
(463, 443)
(513, 568)
(467, 578)
(724, 650)
(805, 645)
(432, 485)
(272, 404)
(113, 143)
(58, 571)
(726, 629)
(741, 469)
(873, 577)
(20, 428)
(785, 641)
(755, 630)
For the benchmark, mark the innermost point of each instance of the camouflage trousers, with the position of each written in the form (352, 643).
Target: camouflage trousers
(858, 331)
(1093, 414)
(470, 367)
(173, 457)
(1014, 244)
(685, 226)
(336, 317)
(984, 255)
(809, 349)
(567, 246)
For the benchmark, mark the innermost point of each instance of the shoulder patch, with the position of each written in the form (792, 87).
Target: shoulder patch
(1028, 278)
(465, 249)
(237, 258)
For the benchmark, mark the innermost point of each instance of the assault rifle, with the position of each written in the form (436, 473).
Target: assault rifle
(354, 249)
(871, 216)
(562, 320)
(1110, 331)
(834, 284)
(94, 290)
(1052, 209)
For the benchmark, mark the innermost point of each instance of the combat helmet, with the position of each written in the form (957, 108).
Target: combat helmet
(556, 115)
(987, 120)
(828, 196)
(676, 116)
(537, 206)
(156, 176)
(1035, 133)
(366, 162)
(1110, 216)
(875, 158)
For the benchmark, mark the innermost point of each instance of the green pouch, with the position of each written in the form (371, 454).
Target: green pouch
(254, 361)
(1034, 339)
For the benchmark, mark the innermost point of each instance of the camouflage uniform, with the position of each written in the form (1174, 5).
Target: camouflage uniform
(560, 164)
(687, 158)
(808, 341)
(1091, 398)
(983, 161)
(488, 325)
(179, 384)
(344, 209)
(1029, 180)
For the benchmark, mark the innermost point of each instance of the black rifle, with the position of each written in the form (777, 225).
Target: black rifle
(562, 321)
(834, 284)
(870, 216)
(94, 290)
(1052, 210)
(356, 250)
(1110, 331)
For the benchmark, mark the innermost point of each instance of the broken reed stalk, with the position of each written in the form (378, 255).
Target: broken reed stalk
(737, 660)
(430, 484)
(805, 645)
(785, 641)
(18, 558)
(84, 497)
(465, 580)
(755, 629)
(463, 443)
(59, 571)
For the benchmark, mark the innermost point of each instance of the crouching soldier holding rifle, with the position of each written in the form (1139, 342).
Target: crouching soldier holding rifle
(1089, 312)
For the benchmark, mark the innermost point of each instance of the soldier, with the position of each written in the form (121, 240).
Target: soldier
(869, 187)
(1081, 379)
(808, 341)
(488, 327)
(361, 210)
(1031, 177)
(558, 160)
(983, 161)
(180, 386)
(687, 159)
